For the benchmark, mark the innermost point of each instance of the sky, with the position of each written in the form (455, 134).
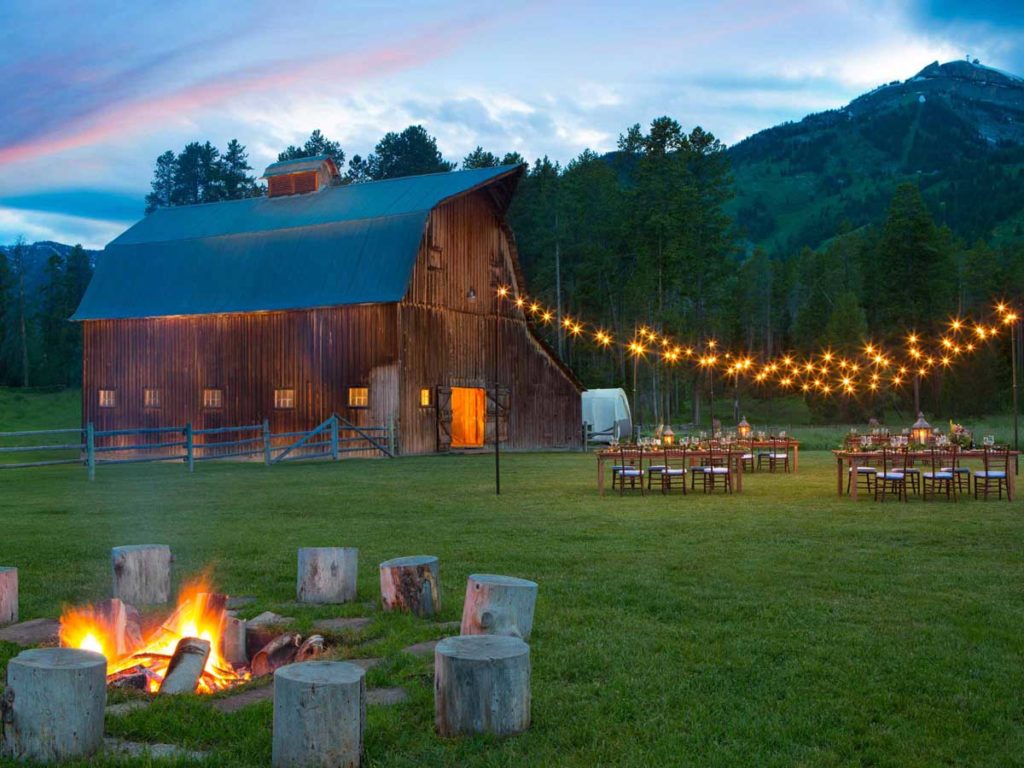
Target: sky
(92, 92)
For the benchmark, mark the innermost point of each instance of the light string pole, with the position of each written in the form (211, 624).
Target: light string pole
(501, 294)
(1012, 319)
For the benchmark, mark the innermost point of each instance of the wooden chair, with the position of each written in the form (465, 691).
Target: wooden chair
(717, 471)
(938, 480)
(674, 474)
(892, 477)
(996, 462)
(961, 473)
(746, 447)
(865, 470)
(655, 469)
(630, 467)
(778, 454)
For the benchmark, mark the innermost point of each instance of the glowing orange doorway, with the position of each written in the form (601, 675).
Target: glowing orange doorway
(469, 410)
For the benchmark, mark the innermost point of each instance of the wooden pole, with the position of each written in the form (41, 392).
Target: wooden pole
(266, 442)
(319, 715)
(52, 709)
(190, 454)
(8, 595)
(90, 450)
(481, 685)
(334, 437)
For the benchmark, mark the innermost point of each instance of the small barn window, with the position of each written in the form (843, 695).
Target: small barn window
(425, 397)
(151, 398)
(108, 398)
(358, 397)
(284, 398)
(213, 398)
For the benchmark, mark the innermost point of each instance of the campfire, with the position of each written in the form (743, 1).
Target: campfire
(186, 652)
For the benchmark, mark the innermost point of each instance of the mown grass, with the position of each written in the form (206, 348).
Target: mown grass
(781, 627)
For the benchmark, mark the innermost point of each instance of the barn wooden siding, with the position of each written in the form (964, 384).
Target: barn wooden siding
(447, 323)
(319, 353)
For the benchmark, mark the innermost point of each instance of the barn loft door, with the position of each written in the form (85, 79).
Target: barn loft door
(502, 409)
(444, 419)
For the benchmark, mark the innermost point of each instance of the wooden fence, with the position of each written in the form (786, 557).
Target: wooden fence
(91, 447)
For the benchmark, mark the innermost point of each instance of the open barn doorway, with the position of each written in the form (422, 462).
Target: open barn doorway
(469, 412)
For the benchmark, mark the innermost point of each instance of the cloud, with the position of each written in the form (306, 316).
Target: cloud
(43, 225)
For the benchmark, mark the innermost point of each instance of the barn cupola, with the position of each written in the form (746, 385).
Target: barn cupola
(301, 176)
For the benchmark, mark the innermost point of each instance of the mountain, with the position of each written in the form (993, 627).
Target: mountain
(36, 256)
(957, 129)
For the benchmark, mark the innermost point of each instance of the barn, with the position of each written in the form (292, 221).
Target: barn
(375, 301)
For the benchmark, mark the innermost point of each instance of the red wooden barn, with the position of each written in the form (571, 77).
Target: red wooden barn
(376, 301)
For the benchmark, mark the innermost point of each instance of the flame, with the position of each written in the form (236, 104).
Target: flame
(195, 616)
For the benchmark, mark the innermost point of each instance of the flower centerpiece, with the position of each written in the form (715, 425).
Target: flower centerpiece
(960, 436)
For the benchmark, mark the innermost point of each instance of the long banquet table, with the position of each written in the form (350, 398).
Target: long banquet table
(847, 460)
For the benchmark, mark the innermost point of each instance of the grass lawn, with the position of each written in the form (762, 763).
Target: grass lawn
(781, 627)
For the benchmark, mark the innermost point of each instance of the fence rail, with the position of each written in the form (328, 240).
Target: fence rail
(336, 436)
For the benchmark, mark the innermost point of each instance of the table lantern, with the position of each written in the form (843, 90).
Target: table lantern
(668, 437)
(743, 429)
(921, 431)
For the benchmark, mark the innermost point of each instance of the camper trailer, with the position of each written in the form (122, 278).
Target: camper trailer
(606, 412)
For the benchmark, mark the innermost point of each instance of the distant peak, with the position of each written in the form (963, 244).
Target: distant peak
(969, 69)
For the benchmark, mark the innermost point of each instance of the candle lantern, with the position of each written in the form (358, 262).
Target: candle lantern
(921, 432)
(743, 429)
(668, 437)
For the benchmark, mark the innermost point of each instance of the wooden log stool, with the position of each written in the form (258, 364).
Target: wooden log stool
(52, 709)
(411, 584)
(142, 573)
(327, 574)
(481, 685)
(8, 595)
(499, 605)
(319, 714)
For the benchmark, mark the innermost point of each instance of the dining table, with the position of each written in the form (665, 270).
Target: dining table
(847, 461)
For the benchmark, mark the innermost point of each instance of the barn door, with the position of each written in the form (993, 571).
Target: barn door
(502, 409)
(444, 419)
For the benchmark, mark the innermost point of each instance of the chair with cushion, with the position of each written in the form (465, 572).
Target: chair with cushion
(675, 469)
(960, 473)
(630, 468)
(866, 471)
(935, 479)
(892, 477)
(996, 463)
(717, 471)
(746, 448)
(778, 454)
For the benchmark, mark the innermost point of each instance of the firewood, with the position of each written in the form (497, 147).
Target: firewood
(8, 595)
(319, 715)
(142, 573)
(411, 584)
(52, 709)
(113, 615)
(327, 574)
(186, 666)
(311, 647)
(232, 642)
(481, 685)
(499, 605)
(277, 653)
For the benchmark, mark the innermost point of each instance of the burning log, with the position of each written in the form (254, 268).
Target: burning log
(499, 605)
(327, 574)
(279, 652)
(8, 595)
(411, 584)
(121, 625)
(232, 642)
(186, 666)
(142, 573)
(319, 715)
(481, 685)
(52, 709)
(312, 647)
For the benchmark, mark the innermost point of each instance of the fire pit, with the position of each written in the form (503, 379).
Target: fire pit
(188, 651)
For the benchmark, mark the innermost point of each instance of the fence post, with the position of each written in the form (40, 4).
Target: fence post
(90, 450)
(391, 435)
(188, 448)
(266, 441)
(334, 436)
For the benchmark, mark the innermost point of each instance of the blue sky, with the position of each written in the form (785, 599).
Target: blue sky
(91, 93)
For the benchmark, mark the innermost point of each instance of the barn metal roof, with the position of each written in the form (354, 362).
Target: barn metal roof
(342, 245)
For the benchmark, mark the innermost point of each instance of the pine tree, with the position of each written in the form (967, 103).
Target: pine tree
(163, 182)
(316, 145)
(479, 158)
(6, 301)
(409, 153)
(233, 175)
(196, 175)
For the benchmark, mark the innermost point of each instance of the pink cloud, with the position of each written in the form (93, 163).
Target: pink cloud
(133, 115)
